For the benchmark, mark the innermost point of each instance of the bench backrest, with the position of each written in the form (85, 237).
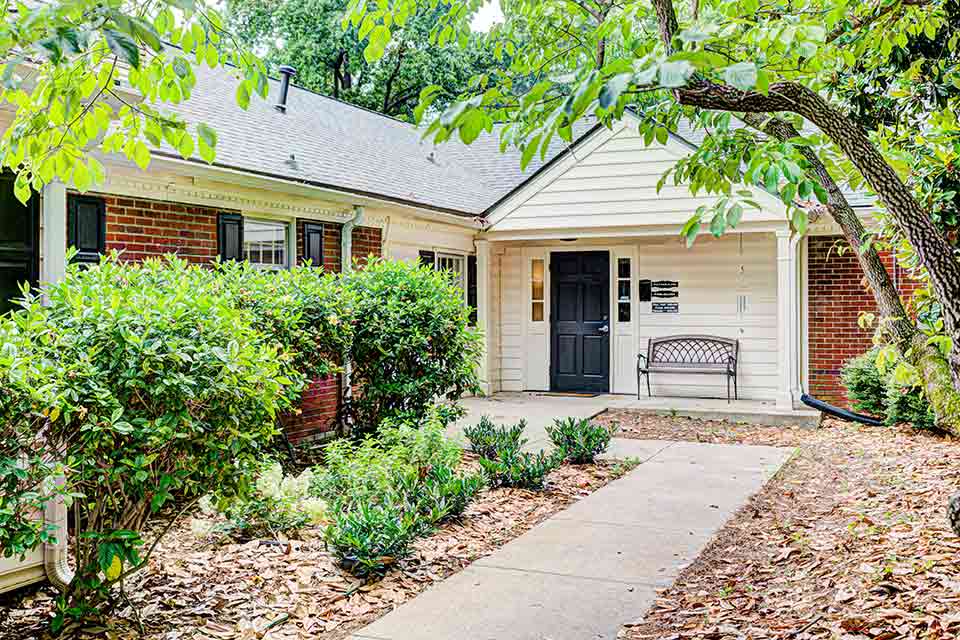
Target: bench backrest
(692, 350)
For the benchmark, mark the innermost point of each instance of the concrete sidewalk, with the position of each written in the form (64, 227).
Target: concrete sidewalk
(594, 566)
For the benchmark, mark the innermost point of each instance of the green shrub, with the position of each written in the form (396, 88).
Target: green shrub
(578, 439)
(439, 494)
(513, 467)
(908, 405)
(369, 538)
(148, 385)
(278, 505)
(486, 437)
(866, 385)
(412, 341)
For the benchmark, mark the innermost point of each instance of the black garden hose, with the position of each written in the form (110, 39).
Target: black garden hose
(837, 412)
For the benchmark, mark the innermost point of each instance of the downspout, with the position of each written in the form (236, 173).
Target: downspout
(346, 265)
(55, 563)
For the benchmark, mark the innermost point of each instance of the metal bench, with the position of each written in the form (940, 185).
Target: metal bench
(690, 354)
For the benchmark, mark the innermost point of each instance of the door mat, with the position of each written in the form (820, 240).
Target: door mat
(568, 394)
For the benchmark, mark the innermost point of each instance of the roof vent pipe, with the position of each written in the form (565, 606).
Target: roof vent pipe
(286, 72)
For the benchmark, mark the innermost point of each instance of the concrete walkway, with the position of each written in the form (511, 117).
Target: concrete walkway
(594, 566)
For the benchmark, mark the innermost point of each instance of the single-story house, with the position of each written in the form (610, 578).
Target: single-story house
(572, 265)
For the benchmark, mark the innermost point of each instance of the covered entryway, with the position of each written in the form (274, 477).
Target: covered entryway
(580, 321)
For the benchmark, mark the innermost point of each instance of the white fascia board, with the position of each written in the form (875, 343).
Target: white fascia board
(761, 226)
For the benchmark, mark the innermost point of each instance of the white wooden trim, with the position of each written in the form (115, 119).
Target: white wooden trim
(53, 230)
(598, 233)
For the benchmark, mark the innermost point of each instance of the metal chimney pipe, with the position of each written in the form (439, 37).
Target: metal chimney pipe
(286, 72)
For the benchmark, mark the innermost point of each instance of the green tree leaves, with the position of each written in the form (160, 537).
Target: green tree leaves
(103, 79)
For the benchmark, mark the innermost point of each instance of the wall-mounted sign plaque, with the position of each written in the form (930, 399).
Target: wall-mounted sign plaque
(665, 284)
(666, 307)
(665, 293)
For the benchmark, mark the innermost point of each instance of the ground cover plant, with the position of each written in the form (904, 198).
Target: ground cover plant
(849, 540)
(580, 440)
(502, 458)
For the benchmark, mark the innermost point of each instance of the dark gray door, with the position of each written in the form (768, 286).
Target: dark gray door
(19, 237)
(579, 321)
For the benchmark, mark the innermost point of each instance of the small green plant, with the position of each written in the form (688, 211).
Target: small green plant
(486, 437)
(370, 538)
(578, 439)
(512, 467)
(625, 466)
(907, 404)
(278, 505)
(866, 385)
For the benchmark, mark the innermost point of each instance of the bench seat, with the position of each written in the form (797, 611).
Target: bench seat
(700, 354)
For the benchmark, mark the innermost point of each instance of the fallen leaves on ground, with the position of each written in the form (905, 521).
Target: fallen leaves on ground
(265, 590)
(848, 541)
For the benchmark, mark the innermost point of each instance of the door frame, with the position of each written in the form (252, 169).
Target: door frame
(535, 355)
(553, 327)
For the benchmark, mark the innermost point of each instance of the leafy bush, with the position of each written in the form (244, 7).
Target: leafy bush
(866, 385)
(147, 384)
(486, 437)
(578, 439)
(368, 538)
(412, 341)
(513, 467)
(906, 403)
(891, 393)
(405, 481)
(278, 505)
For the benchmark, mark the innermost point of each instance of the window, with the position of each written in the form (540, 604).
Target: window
(265, 244)
(456, 265)
(464, 270)
(86, 228)
(536, 290)
(623, 290)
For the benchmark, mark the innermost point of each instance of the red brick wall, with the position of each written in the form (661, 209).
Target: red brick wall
(322, 399)
(143, 228)
(837, 294)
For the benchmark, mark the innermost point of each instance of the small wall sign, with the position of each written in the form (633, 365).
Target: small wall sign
(666, 307)
(665, 293)
(665, 284)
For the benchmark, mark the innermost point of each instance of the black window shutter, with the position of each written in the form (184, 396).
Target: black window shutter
(87, 227)
(472, 288)
(313, 244)
(230, 236)
(427, 258)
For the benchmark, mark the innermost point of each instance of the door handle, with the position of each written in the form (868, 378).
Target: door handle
(604, 329)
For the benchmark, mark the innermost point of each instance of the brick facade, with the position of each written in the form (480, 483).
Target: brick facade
(142, 228)
(837, 294)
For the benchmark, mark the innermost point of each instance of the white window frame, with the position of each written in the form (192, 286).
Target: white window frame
(457, 258)
(287, 248)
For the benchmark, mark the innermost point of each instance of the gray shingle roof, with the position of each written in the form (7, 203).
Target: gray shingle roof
(325, 142)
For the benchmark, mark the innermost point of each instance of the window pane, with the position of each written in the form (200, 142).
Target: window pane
(623, 290)
(537, 314)
(265, 243)
(537, 270)
(623, 312)
(536, 290)
(623, 267)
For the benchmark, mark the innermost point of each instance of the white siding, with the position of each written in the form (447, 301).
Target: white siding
(615, 185)
(711, 275)
(513, 298)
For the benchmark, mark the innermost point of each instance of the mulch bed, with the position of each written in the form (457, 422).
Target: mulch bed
(849, 540)
(262, 589)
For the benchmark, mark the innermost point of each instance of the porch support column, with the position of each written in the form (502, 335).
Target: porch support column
(53, 221)
(788, 319)
(484, 314)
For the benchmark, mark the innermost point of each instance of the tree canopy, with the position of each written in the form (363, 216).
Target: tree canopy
(85, 75)
(330, 57)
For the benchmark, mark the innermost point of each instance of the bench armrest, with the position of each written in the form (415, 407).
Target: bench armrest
(641, 361)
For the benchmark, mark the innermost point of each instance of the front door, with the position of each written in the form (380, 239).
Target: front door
(19, 257)
(579, 321)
